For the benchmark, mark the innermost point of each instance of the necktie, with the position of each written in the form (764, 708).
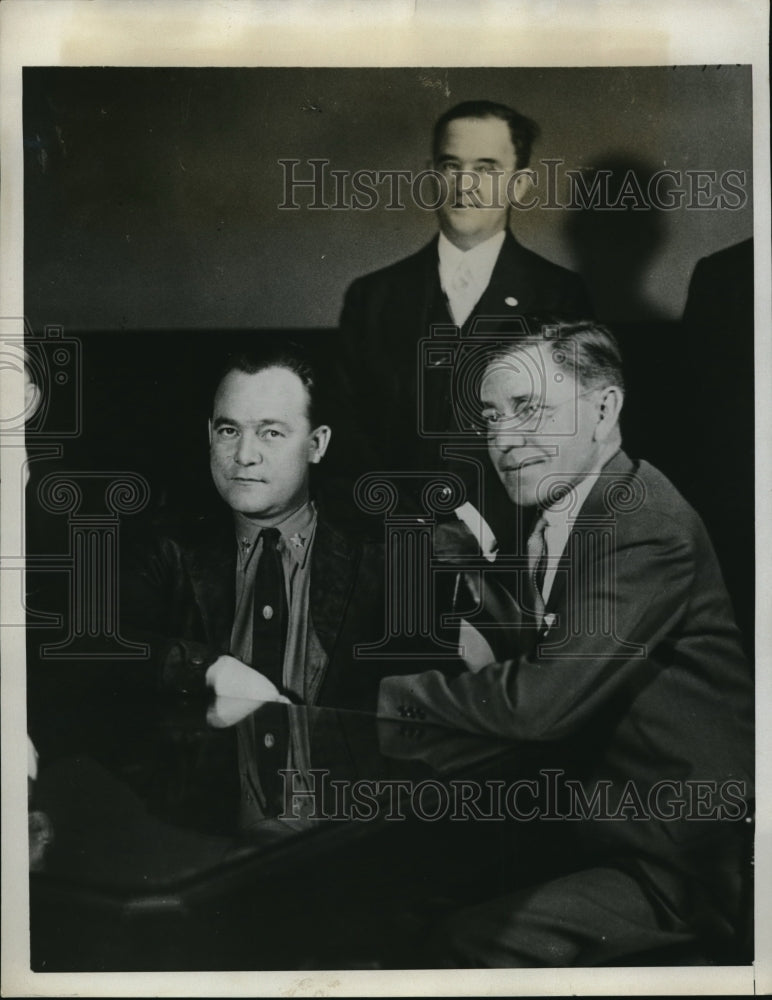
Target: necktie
(271, 724)
(537, 565)
(462, 293)
(462, 277)
(269, 615)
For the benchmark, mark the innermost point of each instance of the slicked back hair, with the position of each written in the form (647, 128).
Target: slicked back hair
(522, 131)
(289, 356)
(590, 350)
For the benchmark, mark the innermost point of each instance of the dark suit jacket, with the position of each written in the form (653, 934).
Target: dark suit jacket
(397, 304)
(718, 343)
(641, 678)
(178, 596)
(385, 317)
(639, 553)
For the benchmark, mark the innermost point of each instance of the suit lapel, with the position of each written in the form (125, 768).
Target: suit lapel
(333, 571)
(434, 304)
(433, 311)
(507, 294)
(212, 567)
(594, 508)
(415, 302)
(211, 561)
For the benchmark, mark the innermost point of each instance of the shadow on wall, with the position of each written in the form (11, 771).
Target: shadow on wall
(616, 233)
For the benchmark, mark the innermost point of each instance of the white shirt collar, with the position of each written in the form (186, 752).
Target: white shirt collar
(296, 531)
(481, 259)
(559, 522)
(566, 510)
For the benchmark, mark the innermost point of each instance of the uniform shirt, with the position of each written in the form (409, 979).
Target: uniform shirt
(465, 274)
(300, 805)
(304, 658)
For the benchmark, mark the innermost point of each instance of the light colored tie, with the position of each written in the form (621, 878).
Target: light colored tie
(537, 564)
(462, 276)
(461, 293)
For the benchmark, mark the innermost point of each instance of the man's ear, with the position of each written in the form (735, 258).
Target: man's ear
(32, 397)
(520, 188)
(318, 442)
(209, 427)
(609, 404)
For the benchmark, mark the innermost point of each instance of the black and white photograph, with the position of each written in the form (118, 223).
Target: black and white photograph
(382, 559)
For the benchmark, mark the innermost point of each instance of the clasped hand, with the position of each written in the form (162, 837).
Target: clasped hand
(230, 678)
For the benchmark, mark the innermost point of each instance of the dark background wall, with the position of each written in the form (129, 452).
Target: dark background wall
(151, 194)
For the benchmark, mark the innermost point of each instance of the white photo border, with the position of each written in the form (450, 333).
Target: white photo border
(400, 33)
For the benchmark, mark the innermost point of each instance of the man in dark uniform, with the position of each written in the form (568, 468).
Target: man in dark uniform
(265, 600)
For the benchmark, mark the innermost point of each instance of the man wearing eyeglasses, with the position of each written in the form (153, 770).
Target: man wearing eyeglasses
(617, 644)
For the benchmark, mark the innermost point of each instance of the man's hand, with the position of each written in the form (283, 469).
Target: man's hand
(453, 543)
(224, 712)
(231, 678)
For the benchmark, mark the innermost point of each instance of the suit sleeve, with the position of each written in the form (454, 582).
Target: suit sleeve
(364, 438)
(354, 364)
(641, 588)
(155, 613)
(358, 408)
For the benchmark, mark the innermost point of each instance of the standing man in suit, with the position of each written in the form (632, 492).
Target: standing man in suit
(718, 334)
(473, 269)
(264, 600)
(625, 651)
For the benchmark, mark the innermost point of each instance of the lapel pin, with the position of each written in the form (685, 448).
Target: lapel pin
(510, 300)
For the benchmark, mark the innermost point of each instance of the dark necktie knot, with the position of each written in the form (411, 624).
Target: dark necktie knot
(270, 538)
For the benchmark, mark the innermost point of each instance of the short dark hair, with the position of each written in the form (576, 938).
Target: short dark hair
(522, 131)
(288, 355)
(591, 351)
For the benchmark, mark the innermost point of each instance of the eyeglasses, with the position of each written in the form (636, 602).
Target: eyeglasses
(527, 417)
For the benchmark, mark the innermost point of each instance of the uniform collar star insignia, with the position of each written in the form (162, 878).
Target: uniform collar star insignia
(297, 540)
(245, 543)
